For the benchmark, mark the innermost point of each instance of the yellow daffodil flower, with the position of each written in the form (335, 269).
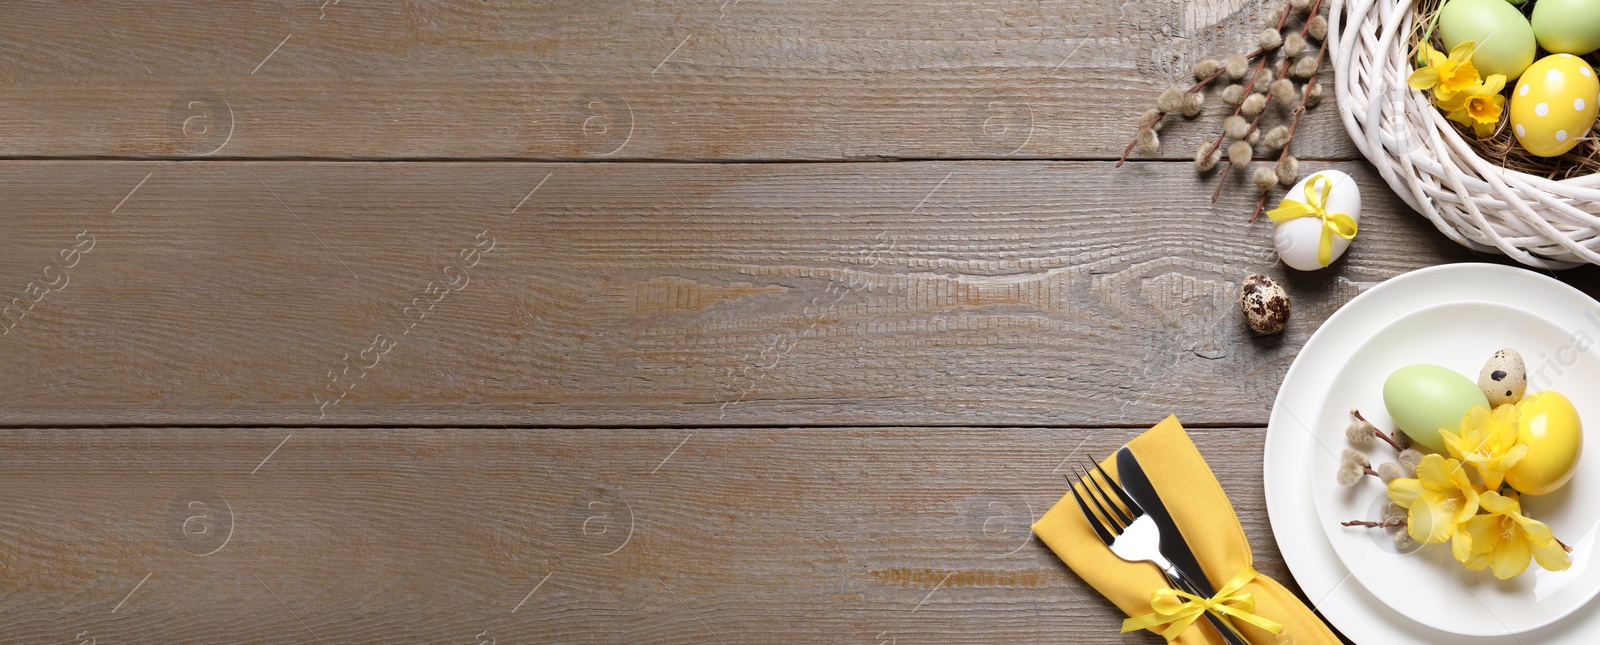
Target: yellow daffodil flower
(1439, 498)
(1488, 441)
(1478, 106)
(1446, 75)
(1503, 538)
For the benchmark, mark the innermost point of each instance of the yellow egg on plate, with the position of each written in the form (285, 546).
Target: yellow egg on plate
(1554, 104)
(1548, 424)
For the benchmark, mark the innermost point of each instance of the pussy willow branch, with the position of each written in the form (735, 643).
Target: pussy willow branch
(1301, 109)
(1192, 89)
(1353, 412)
(1374, 525)
(1315, 7)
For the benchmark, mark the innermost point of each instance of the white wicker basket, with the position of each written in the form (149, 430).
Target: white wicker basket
(1540, 222)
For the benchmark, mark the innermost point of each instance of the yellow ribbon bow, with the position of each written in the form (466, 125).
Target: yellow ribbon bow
(1178, 609)
(1315, 205)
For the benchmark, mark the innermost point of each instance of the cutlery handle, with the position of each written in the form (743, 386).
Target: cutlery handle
(1224, 628)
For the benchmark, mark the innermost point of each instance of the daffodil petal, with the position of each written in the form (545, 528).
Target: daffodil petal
(1468, 505)
(1505, 416)
(1461, 545)
(1495, 83)
(1498, 504)
(1491, 476)
(1464, 491)
(1468, 508)
(1484, 531)
(1432, 521)
(1463, 51)
(1481, 130)
(1510, 559)
(1458, 475)
(1536, 532)
(1433, 472)
(1457, 77)
(1452, 441)
(1505, 412)
(1424, 78)
(1552, 557)
(1514, 455)
(1436, 57)
(1404, 491)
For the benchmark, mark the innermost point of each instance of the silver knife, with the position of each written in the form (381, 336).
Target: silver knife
(1173, 546)
(1172, 543)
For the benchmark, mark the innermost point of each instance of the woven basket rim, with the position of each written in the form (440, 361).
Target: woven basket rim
(1541, 222)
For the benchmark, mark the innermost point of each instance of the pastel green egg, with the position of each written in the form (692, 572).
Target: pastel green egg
(1424, 398)
(1505, 42)
(1567, 26)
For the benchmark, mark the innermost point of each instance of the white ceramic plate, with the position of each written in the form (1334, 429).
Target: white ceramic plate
(1427, 584)
(1346, 603)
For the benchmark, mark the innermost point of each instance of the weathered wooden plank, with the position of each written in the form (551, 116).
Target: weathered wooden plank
(577, 79)
(523, 536)
(642, 294)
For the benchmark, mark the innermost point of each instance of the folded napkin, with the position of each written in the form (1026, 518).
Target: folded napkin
(1202, 512)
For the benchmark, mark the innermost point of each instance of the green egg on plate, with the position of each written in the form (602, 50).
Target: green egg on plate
(1505, 42)
(1424, 398)
(1567, 26)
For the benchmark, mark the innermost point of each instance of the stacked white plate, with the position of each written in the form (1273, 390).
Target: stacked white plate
(1455, 316)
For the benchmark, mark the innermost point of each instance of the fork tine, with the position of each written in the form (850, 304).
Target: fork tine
(1107, 506)
(1112, 522)
(1094, 520)
(1121, 494)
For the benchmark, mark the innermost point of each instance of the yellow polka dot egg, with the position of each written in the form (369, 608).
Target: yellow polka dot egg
(1554, 104)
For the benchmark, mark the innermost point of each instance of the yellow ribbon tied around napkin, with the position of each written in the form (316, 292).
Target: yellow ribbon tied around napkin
(1206, 519)
(1316, 205)
(1177, 609)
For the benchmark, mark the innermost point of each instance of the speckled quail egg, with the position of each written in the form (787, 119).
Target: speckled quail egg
(1504, 378)
(1265, 304)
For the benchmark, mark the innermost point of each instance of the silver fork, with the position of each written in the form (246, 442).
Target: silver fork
(1134, 537)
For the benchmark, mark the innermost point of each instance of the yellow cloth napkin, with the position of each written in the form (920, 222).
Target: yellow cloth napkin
(1202, 512)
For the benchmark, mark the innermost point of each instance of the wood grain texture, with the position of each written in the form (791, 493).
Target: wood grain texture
(347, 365)
(438, 536)
(612, 79)
(641, 294)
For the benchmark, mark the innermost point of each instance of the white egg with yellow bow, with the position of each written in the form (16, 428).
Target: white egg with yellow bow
(1316, 220)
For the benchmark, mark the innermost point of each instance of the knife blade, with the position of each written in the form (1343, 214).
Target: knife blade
(1173, 546)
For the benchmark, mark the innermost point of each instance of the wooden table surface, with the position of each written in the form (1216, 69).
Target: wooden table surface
(614, 321)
